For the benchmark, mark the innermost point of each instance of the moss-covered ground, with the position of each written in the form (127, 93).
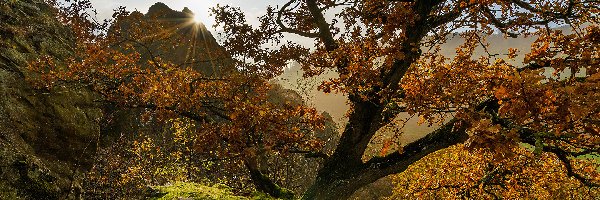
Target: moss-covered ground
(196, 191)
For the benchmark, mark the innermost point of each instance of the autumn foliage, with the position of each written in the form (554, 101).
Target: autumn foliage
(230, 102)
(174, 70)
(387, 57)
(458, 172)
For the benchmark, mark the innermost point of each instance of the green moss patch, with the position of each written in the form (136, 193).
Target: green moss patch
(196, 191)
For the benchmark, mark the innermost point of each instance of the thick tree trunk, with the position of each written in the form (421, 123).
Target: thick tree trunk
(333, 187)
(340, 175)
(339, 178)
(263, 183)
(344, 172)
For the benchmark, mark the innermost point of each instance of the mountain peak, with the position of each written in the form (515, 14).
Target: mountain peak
(158, 7)
(161, 10)
(187, 11)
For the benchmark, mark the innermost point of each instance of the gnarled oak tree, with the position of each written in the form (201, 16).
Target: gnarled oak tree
(386, 53)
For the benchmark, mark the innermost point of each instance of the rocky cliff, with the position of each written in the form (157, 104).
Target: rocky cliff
(47, 138)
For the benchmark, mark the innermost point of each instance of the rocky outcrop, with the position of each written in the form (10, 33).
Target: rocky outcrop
(47, 138)
(189, 43)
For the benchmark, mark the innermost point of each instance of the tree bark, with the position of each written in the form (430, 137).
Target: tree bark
(263, 183)
(339, 179)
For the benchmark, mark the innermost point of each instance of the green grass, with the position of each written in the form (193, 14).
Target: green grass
(196, 191)
(593, 157)
(181, 190)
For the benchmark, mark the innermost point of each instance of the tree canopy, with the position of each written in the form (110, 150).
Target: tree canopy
(387, 57)
(376, 47)
(171, 68)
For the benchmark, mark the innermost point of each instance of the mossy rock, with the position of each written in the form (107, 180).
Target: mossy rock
(47, 138)
(8, 192)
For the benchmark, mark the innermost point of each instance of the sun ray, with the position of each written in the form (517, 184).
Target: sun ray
(195, 31)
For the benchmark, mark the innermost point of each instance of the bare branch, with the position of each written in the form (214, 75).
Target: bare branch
(496, 22)
(562, 156)
(324, 30)
(448, 135)
(284, 28)
(311, 154)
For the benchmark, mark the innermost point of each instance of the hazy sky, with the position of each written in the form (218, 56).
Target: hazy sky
(253, 9)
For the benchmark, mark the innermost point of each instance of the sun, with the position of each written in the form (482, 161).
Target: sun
(197, 19)
(200, 9)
